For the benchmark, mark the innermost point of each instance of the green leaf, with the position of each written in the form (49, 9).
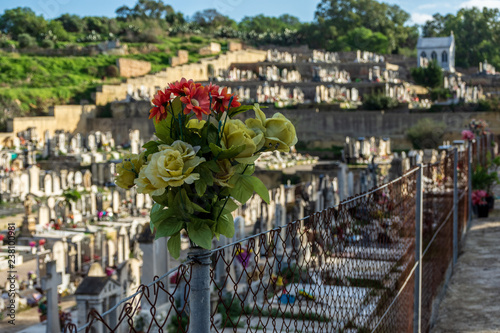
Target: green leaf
(200, 186)
(211, 134)
(223, 154)
(230, 206)
(212, 165)
(206, 173)
(169, 227)
(225, 225)
(240, 109)
(248, 169)
(177, 106)
(162, 199)
(260, 188)
(159, 214)
(243, 187)
(174, 245)
(188, 205)
(162, 129)
(198, 208)
(200, 234)
(151, 147)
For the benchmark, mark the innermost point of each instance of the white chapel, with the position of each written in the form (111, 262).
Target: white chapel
(441, 49)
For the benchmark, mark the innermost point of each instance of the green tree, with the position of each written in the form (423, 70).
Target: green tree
(261, 23)
(26, 41)
(22, 20)
(364, 39)
(426, 134)
(477, 34)
(346, 15)
(71, 23)
(145, 9)
(430, 76)
(211, 18)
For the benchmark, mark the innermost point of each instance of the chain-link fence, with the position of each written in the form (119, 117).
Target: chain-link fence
(350, 268)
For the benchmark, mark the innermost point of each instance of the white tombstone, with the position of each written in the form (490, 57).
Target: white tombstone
(78, 178)
(43, 215)
(47, 183)
(111, 252)
(59, 255)
(56, 184)
(116, 202)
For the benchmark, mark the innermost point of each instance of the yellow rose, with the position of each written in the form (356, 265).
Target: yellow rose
(171, 166)
(236, 133)
(280, 133)
(128, 170)
(257, 125)
(144, 184)
(222, 177)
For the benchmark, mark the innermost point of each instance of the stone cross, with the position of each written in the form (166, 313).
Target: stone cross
(49, 285)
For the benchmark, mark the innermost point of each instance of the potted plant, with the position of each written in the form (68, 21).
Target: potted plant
(483, 179)
(479, 202)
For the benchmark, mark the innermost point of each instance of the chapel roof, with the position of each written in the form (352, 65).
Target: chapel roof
(434, 42)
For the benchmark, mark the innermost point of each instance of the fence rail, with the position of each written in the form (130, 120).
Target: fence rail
(354, 267)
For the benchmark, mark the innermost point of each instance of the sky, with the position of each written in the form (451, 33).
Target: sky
(420, 11)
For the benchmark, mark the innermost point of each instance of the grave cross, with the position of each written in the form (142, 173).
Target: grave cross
(49, 285)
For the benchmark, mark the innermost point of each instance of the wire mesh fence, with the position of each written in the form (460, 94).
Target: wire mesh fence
(349, 268)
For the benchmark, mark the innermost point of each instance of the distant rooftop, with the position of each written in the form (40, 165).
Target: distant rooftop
(434, 42)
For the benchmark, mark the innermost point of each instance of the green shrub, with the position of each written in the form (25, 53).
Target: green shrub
(4, 42)
(196, 39)
(379, 102)
(112, 71)
(47, 44)
(426, 134)
(430, 76)
(92, 70)
(484, 105)
(26, 41)
(440, 93)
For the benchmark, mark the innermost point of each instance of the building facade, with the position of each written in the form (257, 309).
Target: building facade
(440, 49)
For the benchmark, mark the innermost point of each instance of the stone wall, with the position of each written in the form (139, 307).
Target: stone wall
(320, 129)
(212, 48)
(197, 71)
(181, 58)
(133, 68)
(71, 118)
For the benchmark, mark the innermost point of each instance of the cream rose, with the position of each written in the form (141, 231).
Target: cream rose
(171, 166)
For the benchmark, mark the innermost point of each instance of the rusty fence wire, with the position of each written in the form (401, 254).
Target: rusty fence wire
(348, 268)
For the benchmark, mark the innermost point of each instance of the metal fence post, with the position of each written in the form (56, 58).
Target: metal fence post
(417, 308)
(455, 205)
(199, 296)
(478, 139)
(469, 185)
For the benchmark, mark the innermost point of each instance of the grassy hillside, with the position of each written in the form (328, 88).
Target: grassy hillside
(29, 84)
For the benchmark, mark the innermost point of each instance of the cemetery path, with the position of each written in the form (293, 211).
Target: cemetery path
(471, 303)
(31, 317)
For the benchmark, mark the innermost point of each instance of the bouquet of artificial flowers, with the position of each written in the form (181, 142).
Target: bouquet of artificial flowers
(202, 161)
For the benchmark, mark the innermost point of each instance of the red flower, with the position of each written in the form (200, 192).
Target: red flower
(196, 100)
(213, 90)
(159, 101)
(178, 88)
(221, 101)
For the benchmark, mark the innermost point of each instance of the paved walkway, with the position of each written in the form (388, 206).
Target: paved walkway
(472, 301)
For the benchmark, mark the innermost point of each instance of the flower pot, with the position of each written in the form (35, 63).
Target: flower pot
(482, 210)
(491, 202)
